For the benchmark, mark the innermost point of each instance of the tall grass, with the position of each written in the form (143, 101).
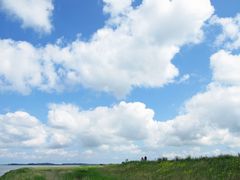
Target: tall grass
(221, 167)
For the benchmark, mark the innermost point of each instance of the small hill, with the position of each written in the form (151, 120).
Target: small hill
(222, 167)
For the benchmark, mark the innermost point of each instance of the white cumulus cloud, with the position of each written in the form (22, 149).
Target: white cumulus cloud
(135, 48)
(132, 50)
(20, 129)
(229, 37)
(109, 126)
(22, 68)
(210, 118)
(34, 14)
(226, 68)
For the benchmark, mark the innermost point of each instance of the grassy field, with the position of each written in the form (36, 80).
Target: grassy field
(224, 167)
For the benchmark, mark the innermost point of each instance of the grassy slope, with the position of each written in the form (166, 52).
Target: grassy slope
(205, 168)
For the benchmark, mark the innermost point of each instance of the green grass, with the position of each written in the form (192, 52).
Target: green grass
(224, 167)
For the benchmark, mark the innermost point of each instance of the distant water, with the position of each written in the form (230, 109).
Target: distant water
(6, 168)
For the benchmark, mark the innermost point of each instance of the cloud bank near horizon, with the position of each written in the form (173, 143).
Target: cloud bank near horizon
(130, 127)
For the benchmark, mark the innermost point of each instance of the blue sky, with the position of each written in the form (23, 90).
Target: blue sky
(105, 78)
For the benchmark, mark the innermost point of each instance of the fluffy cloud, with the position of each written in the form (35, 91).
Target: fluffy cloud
(34, 14)
(103, 129)
(115, 8)
(118, 125)
(20, 129)
(230, 35)
(141, 55)
(226, 68)
(23, 69)
(134, 49)
(210, 118)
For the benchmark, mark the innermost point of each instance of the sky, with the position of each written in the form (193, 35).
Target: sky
(101, 81)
